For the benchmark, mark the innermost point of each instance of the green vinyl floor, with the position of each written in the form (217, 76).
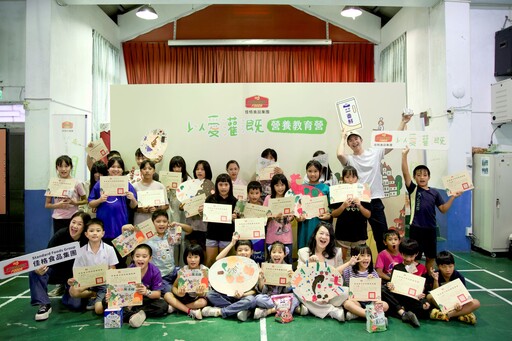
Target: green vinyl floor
(489, 280)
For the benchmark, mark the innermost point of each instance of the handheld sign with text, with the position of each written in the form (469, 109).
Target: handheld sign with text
(151, 198)
(114, 185)
(90, 276)
(459, 182)
(234, 274)
(193, 279)
(348, 114)
(365, 289)
(447, 296)
(407, 284)
(217, 213)
(318, 282)
(34, 260)
(97, 149)
(60, 188)
(191, 206)
(251, 228)
(277, 274)
(171, 180)
(122, 286)
(128, 240)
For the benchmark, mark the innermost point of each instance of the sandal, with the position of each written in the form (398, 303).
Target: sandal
(436, 314)
(468, 318)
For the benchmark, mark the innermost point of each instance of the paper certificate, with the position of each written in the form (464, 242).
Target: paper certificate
(267, 172)
(191, 206)
(97, 149)
(193, 279)
(151, 198)
(128, 240)
(348, 114)
(90, 276)
(240, 192)
(277, 274)
(451, 293)
(413, 139)
(365, 289)
(407, 284)
(251, 228)
(114, 185)
(122, 285)
(284, 206)
(457, 182)
(171, 180)
(34, 260)
(217, 213)
(255, 211)
(342, 192)
(314, 206)
(58, 187)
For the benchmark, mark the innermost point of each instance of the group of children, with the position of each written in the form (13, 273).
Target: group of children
(208, 242)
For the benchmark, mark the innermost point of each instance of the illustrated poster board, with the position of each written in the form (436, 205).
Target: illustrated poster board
(234, 274)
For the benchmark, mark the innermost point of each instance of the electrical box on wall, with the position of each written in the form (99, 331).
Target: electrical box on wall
(503, 52)
(501, 101)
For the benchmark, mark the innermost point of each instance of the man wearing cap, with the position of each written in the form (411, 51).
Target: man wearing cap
(368, 165)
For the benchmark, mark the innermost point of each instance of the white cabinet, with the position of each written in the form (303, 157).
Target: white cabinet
(492, 204)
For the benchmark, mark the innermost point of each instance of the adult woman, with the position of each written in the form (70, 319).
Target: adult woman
(322, 248)
(60, 272)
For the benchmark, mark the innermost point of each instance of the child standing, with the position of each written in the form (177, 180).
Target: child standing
(389, 257)
(95, 252)
(151, 288)
(254, 198)
(353, 215)
(64, 207)
(202, 171)
(218, 235)
(362, 269)
(264, 304)
(239, 305)
(190, 303)
(147, 170)
(306, 226)
(447, 273)
(233, 168)
(269, 154)
(279, 228)
(424, 201)
(326, 175)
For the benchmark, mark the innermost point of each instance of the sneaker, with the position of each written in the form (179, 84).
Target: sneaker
(409, 317)
(44, 312)
(243, 315)
(302, 310)
(211, 312)
(137, 319)
(468, 318)
(171, 309)
(195, 314)
(350, 316)
(260, 313)
(337, 314)
(58, 291)
(436, 314)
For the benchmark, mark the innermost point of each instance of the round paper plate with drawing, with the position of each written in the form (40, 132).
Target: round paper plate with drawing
(318, 282)
(188, 189)
(154, 143)
(233, 274)
(207, 187)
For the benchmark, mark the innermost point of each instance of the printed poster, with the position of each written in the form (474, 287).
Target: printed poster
(365, 289)
(251, 228)
(122, 286)
(32, 261)
(348, 114)
(277, 274)
(193, 279)
(90, 276)
(128, 240)
(451, 293)
(432, 140)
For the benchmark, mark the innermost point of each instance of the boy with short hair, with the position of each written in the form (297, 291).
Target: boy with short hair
(424, 201)
(409, 309)
(447, 273)
(254, 191)
(151, 288)
(389, 257)
(95, 252)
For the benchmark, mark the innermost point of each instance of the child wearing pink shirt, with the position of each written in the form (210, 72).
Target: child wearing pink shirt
(389, 257)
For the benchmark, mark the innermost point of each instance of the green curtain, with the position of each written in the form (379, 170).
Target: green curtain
(105, 71)
(393, 66)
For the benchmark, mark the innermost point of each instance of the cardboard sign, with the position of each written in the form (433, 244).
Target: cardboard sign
(234, 274)
(433, 140)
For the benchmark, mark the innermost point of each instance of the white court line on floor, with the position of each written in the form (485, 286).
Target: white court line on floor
(488, 272)
(454, 255)
(8, 280)
(15, 297)
(488, 291)
(496, 289)
(263, 329)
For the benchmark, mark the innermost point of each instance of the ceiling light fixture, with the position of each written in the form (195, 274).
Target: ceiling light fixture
(146, 12)
(351, 12)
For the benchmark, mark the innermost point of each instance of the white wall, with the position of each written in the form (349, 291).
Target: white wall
(12, 47)
(484, 23)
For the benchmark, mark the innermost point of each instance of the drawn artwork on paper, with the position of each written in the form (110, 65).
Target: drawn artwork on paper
(234, 274)
(318, 282)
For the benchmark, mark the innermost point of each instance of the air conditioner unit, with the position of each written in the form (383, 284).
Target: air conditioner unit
(501, 101)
